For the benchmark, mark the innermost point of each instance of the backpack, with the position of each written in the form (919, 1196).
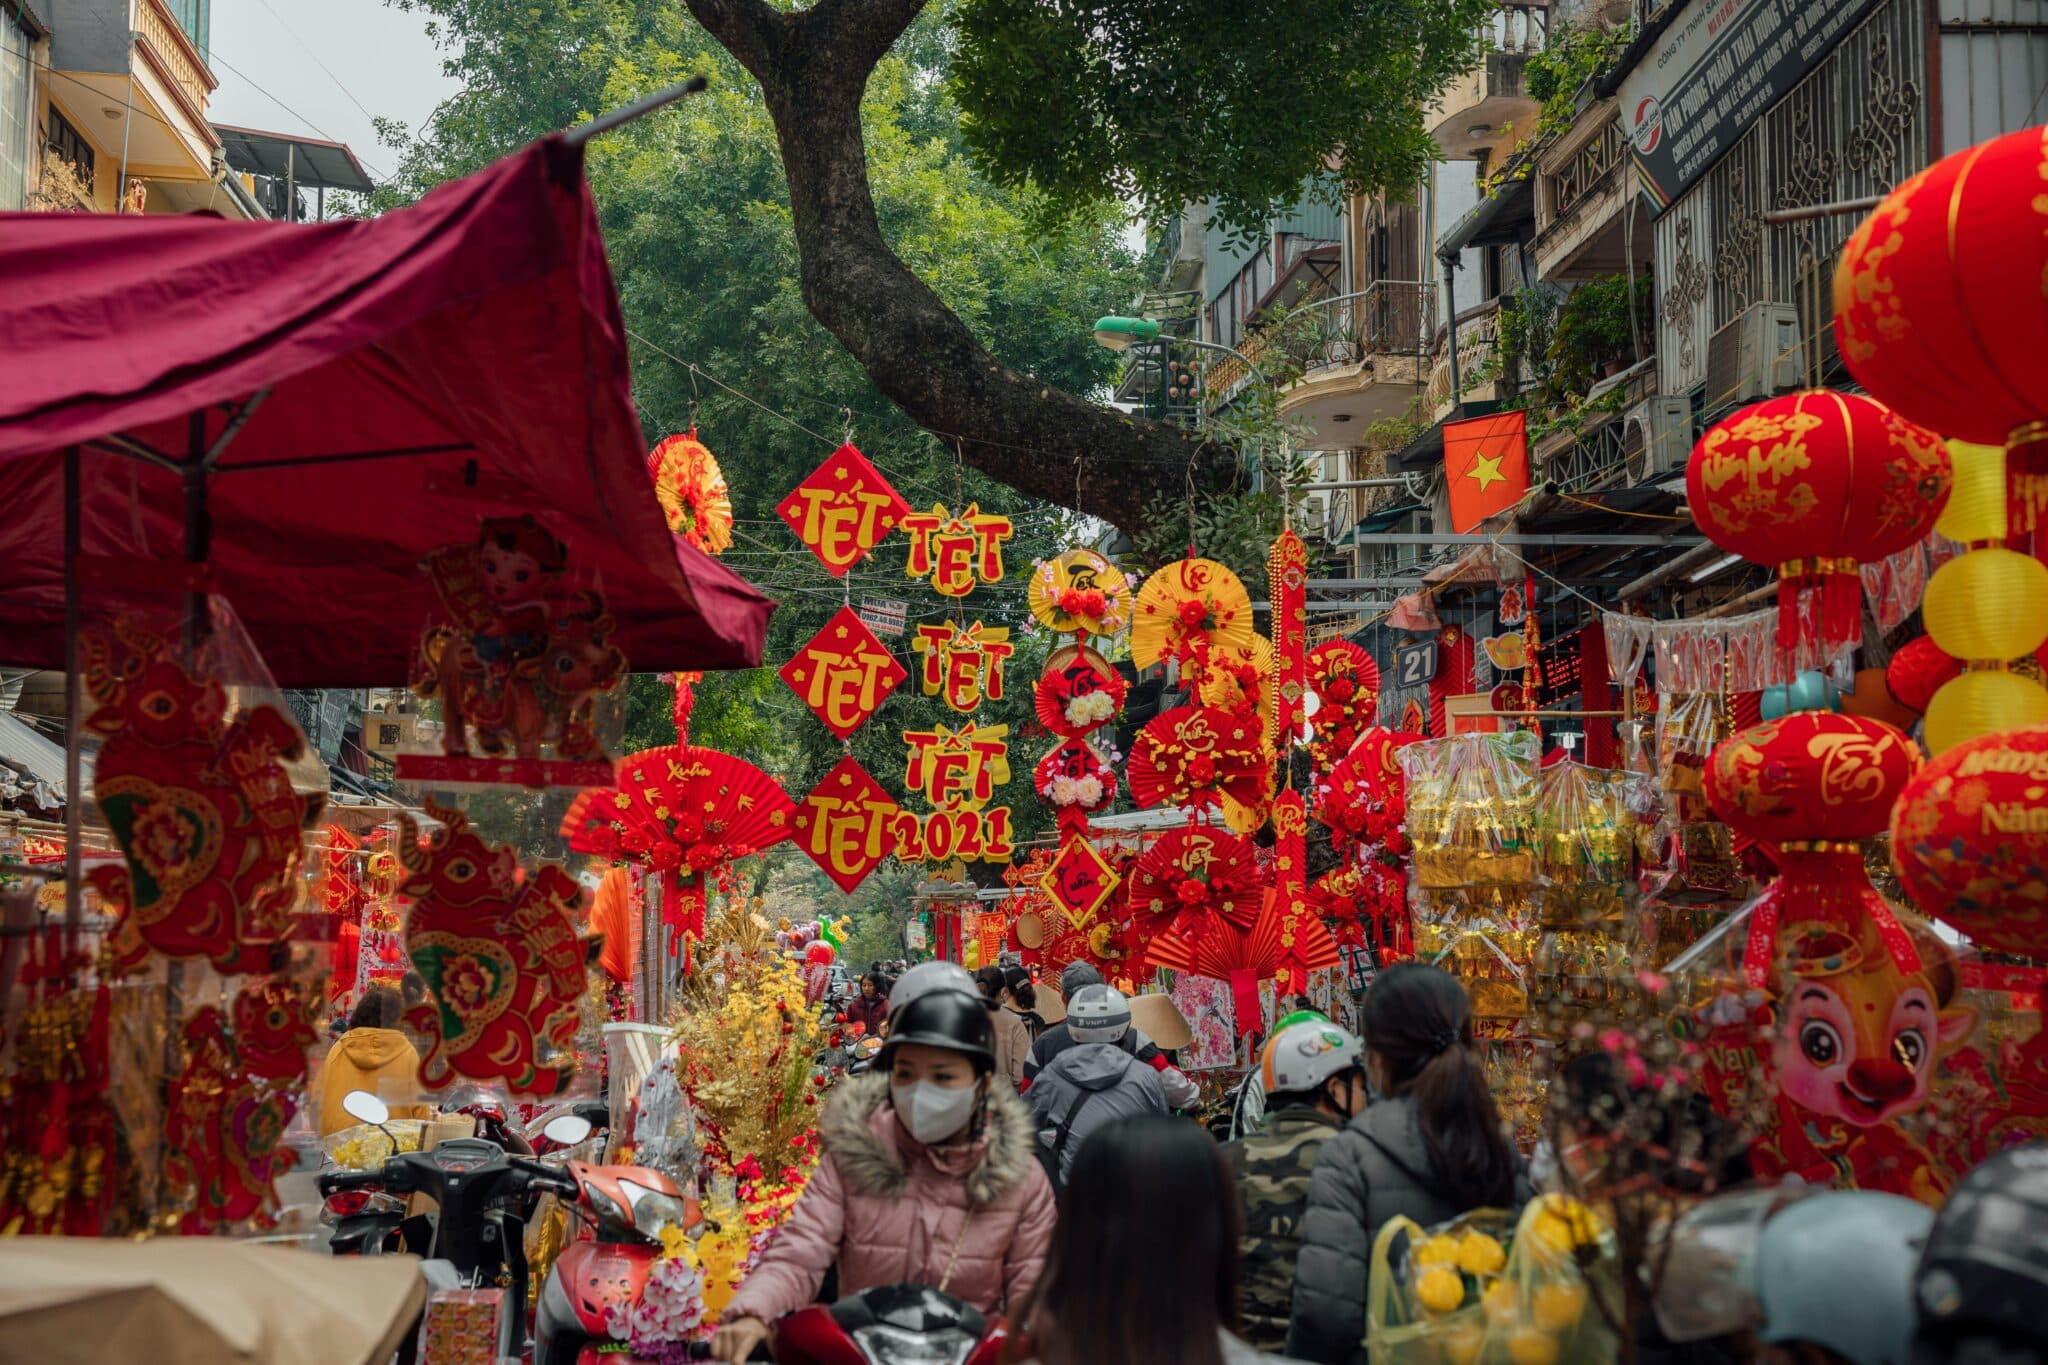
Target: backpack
(1049, 1153)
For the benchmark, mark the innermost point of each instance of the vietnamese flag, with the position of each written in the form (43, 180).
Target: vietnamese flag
(1486, 465)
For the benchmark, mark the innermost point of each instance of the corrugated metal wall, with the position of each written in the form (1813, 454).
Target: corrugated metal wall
(1224, 258)
(1993, 69)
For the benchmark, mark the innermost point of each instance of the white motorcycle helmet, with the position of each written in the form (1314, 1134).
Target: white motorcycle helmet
(1098, 1014)
(1304, 1054)
(926, 977)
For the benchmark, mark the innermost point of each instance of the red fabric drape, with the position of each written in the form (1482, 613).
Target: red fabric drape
(1597, 693)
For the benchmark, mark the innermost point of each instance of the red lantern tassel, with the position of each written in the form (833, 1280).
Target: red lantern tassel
(1791, 579)
(2026, 487)
(1841, 604)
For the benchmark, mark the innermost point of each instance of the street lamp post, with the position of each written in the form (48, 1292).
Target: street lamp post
(1120, 334)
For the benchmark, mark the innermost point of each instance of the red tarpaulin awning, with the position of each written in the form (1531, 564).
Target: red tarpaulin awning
(395, 380)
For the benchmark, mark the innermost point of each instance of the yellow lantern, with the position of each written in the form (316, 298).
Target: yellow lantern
(1976, 501)
(1988, 605)
(1982, 702)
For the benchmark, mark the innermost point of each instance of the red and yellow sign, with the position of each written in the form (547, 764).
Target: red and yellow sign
(843, 510)
(1287, 570)
(956, 551)
(1080, 880)
(957, 769)
(843, 674)
(970, 835)
(848, 824)
(963, 664)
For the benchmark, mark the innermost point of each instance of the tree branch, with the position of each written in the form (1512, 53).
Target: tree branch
(813, 68)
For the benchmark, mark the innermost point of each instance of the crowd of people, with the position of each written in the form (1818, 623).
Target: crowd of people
(1039, 1171)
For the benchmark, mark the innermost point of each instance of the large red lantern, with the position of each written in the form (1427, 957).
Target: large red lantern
(1970, 840)
(1816, 483)
(1940, 313)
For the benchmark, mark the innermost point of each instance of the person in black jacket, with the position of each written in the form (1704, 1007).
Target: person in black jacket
(1430, 1148)
(1181, 1093)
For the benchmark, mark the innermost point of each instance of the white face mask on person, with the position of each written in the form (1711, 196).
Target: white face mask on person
(933, 1113)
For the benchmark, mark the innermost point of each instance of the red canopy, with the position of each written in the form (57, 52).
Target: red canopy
(396, 380)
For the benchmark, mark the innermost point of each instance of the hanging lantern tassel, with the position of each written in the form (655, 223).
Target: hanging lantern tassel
(2026, 487)
(1838, 608)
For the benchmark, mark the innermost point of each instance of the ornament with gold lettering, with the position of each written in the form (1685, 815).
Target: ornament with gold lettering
(847, 825)
(1080, 592)
(1243, 683)
(843, 510)
(843, 674)
(685, 812)
(956, 770)
(223, 1131)
(982, 836)
(963, 664)
(1076, 782)
(1199, 757)
(1346, 681)
(1287, 572)
(1187, 609)
(1189, 876)
(1080, 880)
(955, 552)
(1078, 693)
(1970, 840)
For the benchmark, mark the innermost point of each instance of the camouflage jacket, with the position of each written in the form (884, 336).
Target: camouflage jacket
(1272, 1168)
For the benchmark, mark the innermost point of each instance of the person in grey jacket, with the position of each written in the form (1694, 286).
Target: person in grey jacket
(1181, 1092)
(1430, 1148)
(1094, 1082)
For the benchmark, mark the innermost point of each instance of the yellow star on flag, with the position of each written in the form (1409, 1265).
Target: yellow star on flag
(1486, 469)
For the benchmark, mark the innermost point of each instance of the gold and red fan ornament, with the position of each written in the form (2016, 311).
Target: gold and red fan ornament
(1346, 682)
(692, 492)
(1812, 786)
(1839, 478)
(1970, 840)
(1363, 902)
(685, 813)
(1190, 878)
(1078, 693)
(1242, 683)
(223, 1131)
(1198, 757)
(1079, 592)
(1187, 610)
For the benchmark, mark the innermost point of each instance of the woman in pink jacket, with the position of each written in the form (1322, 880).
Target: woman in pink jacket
(930, 1176)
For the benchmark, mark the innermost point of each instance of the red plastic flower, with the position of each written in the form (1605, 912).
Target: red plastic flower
(1194, 613)
(1340, 689)
(1201, 770)
(1192, 892)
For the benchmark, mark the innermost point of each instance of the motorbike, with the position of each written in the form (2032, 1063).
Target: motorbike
(895, 1324)
(620, 1212)
(476, 1238)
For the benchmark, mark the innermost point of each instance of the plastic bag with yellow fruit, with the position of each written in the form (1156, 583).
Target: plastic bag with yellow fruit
(1485, 1289)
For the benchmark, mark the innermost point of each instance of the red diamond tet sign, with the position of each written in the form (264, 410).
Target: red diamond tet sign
(847, 825)
(843, 510)
(843, 674)
(1080, 880)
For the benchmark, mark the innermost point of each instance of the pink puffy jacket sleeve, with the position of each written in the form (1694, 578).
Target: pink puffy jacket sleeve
(1024, 1258)
(793, 1267)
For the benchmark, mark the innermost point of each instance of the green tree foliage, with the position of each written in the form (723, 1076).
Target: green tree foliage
(1236, 101)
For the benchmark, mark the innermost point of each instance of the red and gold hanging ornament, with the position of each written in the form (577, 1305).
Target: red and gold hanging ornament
(963, 664)
(1812, 786)
(1293, 940)
(843, 510)
(1189, 877)
(1080, 592)
(1199, 757)
(202, 808)
(1078, 693)
(500, 955)
(957, 771)
(1287, 573)
(1364, 902)
(1242, 682)
(843, 674)
(223, 1132)
(1080, 881)
(1838, 477)
(274, 1028)
(691, 489)
(847, 825)
(1970, 840)
(956, 552)
(1939, 312)
(1346, 682)
(1917, 671)
(684, 812)
(1362, 799)
(1187, 609)
(1076, 782)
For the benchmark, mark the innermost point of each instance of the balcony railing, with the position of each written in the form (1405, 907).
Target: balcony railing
(1390, 317)
(1517, 30)
(1587, 171)
(175, 55)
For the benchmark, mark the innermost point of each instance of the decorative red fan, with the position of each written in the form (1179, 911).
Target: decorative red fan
(1340, 896)
(1189, 878)
(1066, 695)
(1362, 800)
(684, 811)
(1293, 941)
(1075, 781)
(1196, 756)
(1346, 682)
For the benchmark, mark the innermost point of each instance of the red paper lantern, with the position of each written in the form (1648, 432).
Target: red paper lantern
(1939, 310)
(1970, 840)
(1816, 483)
(1917, 672)
(1810, 778)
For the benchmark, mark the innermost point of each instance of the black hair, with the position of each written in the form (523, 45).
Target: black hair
(1018, 982)
(873, 976)
(1418, 1020)
(379, 1007)
(413, 988)
(989, 980)
(1150, 1216)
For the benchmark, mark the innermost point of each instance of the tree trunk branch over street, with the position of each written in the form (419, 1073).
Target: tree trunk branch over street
(813, 66)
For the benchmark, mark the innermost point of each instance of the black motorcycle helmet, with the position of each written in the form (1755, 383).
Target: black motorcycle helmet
(1985, 1265)
(949, 1019)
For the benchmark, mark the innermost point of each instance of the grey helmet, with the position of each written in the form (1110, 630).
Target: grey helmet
(1098, 1014)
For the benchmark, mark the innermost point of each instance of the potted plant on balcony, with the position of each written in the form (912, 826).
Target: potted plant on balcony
(1594, 334)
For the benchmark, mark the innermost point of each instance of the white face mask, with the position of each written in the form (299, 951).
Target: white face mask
(933, 1113)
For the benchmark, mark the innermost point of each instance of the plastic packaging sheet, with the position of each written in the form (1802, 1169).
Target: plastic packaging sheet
(1733, 654)
(1471, 809)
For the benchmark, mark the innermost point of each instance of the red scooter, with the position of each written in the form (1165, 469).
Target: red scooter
(894, 1324)
(621, 1212)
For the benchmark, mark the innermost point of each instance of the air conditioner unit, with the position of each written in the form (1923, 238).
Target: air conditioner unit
(1656, 438)
(1315, 515)
(1754, 356)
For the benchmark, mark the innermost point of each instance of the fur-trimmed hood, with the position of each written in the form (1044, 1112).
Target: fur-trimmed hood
(860, 1130)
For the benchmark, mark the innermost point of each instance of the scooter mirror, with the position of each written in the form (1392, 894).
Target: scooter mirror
(566, 1130)
(364, 1107)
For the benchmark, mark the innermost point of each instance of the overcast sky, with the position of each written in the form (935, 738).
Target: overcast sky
(324, 68)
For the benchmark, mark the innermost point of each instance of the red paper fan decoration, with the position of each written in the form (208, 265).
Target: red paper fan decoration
(1346, 682)
(1195, 756)
(1075, 781)
(691, 489)
(1363, 798)
(1293, 941)
(683, 811)
(1189, 878)
(1074, 675)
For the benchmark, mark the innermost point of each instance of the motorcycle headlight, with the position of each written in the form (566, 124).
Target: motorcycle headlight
(653, 1211)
